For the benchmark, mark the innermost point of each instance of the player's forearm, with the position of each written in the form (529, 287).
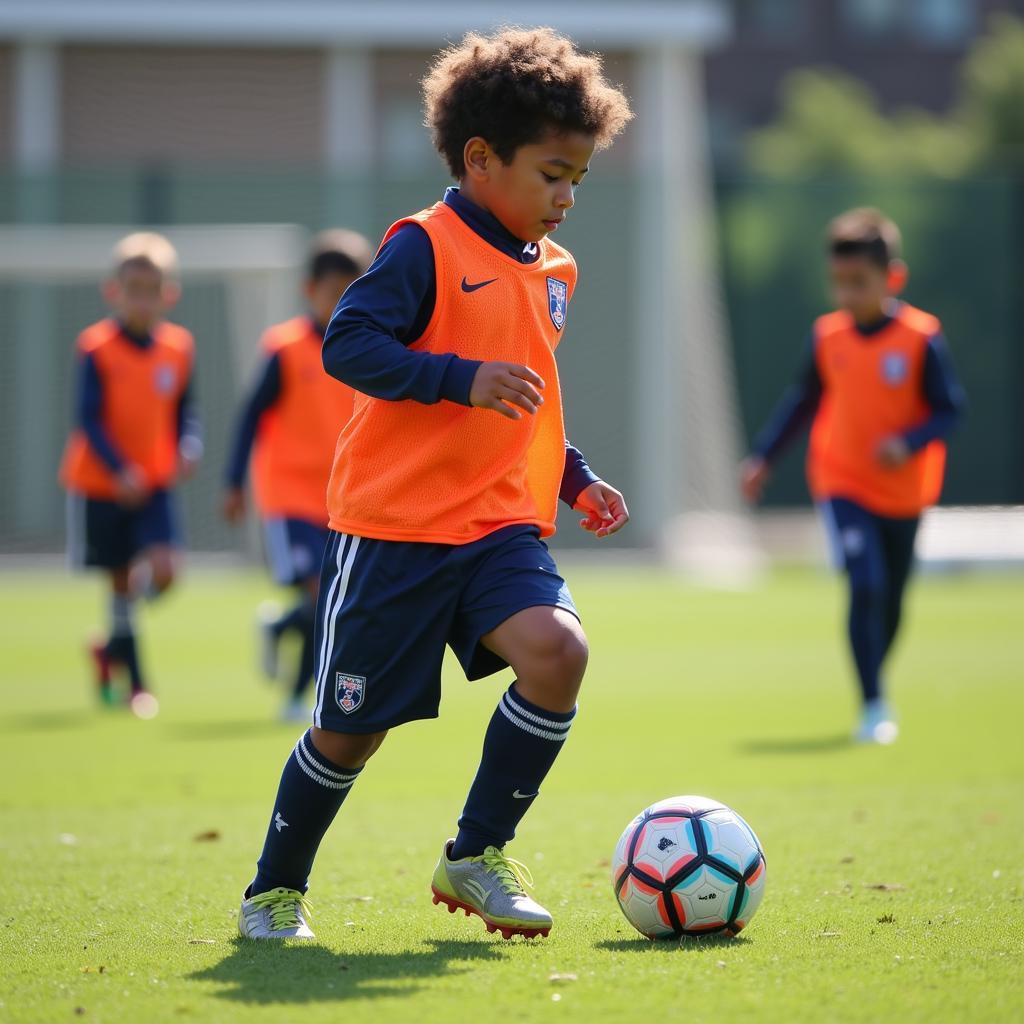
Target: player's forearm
(944, 394)
(89, 416)
(794, 412)
(937, 427)
(241, 446)
(262, 399)
(190, 426)
(102, 446)
(362, 357)
(576, 475)
(787, 422)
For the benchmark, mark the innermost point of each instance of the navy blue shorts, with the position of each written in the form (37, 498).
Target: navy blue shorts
(876, 552)
(108, 535)
(294, 549)
(388, 608)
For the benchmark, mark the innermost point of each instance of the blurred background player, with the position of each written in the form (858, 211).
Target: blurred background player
(136, 434)
(291, 422)
(880, 388)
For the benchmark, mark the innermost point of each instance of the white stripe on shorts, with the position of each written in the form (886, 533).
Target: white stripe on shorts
(339, 588)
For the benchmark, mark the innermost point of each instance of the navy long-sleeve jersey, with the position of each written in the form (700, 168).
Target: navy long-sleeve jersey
(389, 307)
(89, 407)
(940, 388)
(264, 394)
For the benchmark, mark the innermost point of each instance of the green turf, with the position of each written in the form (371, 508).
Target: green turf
(116, 908)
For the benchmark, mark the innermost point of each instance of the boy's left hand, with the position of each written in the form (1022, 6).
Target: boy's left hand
(605, 509)
(893, 452)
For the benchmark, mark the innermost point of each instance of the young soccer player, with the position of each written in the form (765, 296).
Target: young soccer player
(879, 386)
(136, 434)
(294, 414)
(447, 477)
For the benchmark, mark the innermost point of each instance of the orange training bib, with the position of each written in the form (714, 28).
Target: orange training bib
(872, 390)
(447, 473)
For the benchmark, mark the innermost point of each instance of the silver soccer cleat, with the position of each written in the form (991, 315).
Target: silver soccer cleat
(274, 914)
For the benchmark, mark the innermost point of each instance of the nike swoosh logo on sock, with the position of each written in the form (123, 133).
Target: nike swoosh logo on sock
(524, 796)
(467, 287)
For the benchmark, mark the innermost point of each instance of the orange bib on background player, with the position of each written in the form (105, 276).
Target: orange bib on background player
(873, 390)
(295, 441)
(142, 389)
(447, 473)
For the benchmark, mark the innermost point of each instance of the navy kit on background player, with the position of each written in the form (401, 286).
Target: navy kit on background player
(880, 388)
(448, 475)
(136, 434)
(290, 421)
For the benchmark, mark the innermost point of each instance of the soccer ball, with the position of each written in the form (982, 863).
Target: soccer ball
(688, 866)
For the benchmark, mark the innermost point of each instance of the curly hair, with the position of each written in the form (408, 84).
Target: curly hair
(512, 87)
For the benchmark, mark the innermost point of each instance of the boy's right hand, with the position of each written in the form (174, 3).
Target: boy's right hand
(233, 505)
(754, 473)
(501, 386)
(130, 485)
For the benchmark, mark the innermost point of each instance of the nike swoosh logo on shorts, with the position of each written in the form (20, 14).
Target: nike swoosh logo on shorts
(467, 287)
(523, 796)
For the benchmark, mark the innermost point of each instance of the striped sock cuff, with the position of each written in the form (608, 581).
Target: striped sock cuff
(122, 614)
(319, 769)
(546, 725)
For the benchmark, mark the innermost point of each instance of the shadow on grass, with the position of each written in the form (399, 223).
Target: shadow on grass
(685, 945)
(46, 721)
(241, 728)
(264, 972)
(798, 744)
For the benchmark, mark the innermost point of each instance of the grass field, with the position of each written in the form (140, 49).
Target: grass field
(124, 845)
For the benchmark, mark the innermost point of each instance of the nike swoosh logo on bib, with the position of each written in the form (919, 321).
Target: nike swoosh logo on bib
(467, 287)
(523, 796)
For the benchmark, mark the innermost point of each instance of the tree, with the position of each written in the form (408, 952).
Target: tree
(830, 122)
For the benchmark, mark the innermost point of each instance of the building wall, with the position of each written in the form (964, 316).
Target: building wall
(191, 104)
(6, 102)
(907, 53)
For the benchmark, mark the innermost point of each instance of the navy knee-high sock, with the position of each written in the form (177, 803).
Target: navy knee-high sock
(121, 646)
(867, 637)
(899, 538)
(520, 746)
(304, 672)
(312, 790)
(298, 617)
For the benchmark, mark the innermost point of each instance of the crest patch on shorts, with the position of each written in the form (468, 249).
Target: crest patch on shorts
(349, 691)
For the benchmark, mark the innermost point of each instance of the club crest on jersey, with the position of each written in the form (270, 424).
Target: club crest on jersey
(165, 378)
(558, 301)
(349, 691)
(894, 368)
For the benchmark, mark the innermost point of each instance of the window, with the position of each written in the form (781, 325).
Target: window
(772, 19)
(928, 22)
(943, 21)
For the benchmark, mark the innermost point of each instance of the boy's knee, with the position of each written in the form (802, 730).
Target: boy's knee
(562, 651)
(574, 655)
(347, 750)
(164, 577)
